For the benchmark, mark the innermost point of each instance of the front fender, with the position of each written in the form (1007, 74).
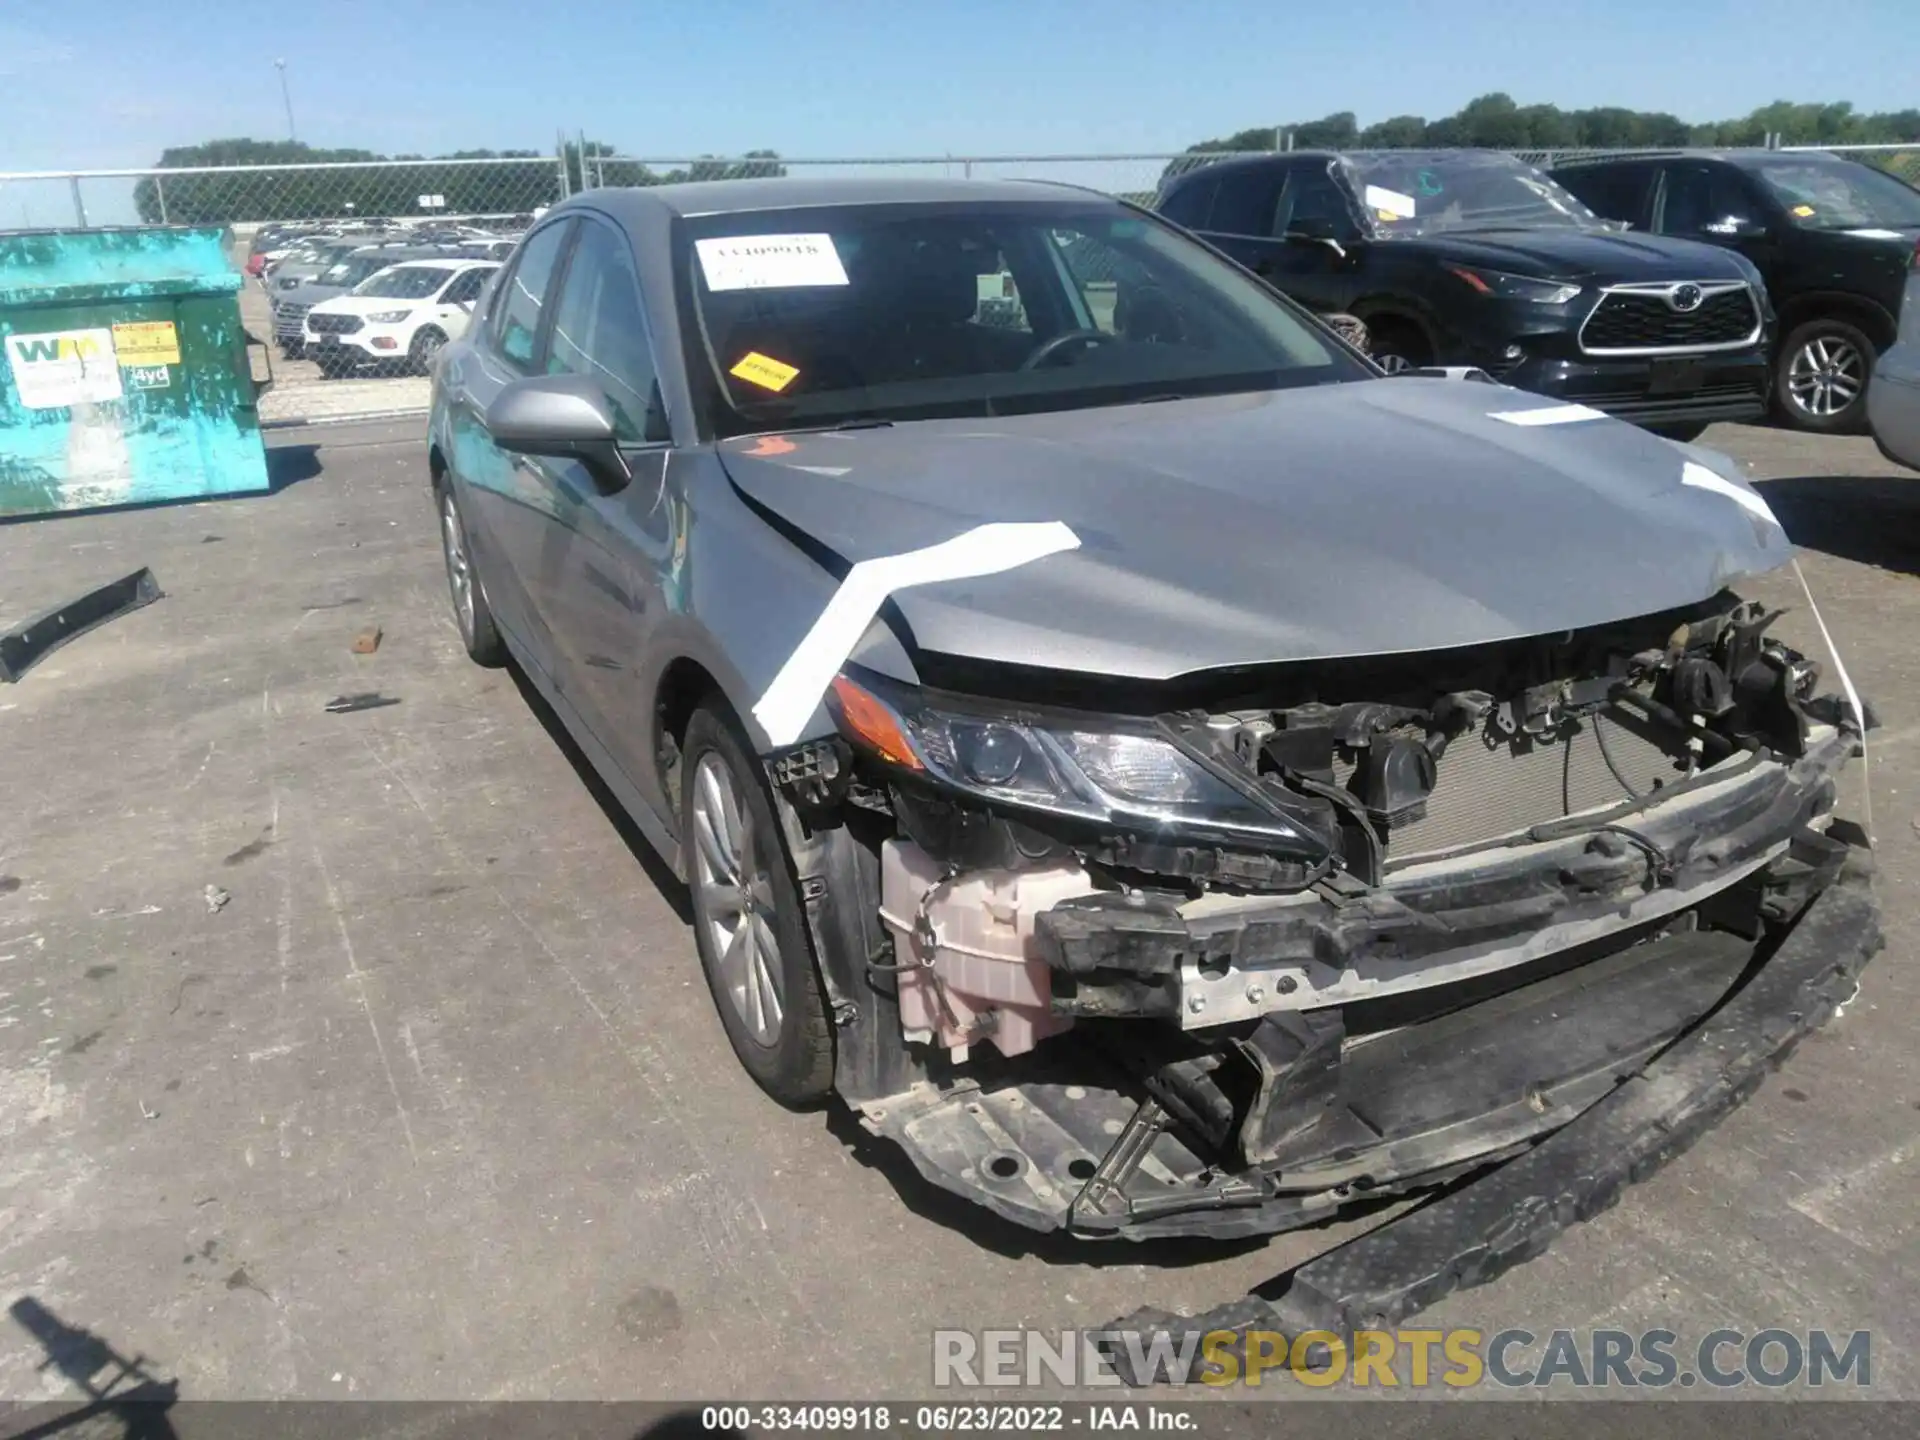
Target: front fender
(744, 595)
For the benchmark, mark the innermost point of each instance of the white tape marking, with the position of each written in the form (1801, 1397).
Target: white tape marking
(985, 550)
(1401, 207)
(1701, 478)
(1549, 415)
(1853, 698)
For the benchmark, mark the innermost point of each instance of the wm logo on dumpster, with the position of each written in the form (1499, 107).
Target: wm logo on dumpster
(37, 348)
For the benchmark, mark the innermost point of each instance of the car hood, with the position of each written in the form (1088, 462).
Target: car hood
(308, 294)
(346, 304)
(1585, 254)
(1365, 518)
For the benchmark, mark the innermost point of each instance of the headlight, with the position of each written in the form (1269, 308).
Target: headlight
(389, 317)
(1496, 284)
(1111, 771)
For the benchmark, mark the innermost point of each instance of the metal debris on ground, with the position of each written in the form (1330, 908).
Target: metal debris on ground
(216, 899)
(347, 704)
(27, 645)
(368, 640)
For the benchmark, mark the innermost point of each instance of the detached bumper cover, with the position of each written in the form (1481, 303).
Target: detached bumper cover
(1512, 1212)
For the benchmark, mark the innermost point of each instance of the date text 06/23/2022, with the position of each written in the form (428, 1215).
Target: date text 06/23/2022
(950, 1418)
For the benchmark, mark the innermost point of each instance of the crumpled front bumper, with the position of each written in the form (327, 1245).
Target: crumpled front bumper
(1101, 1134)
(1513, 1211)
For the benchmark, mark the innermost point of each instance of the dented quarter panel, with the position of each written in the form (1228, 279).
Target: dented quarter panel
(1345, 520)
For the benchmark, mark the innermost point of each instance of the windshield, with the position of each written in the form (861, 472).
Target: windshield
(1821, 193)
(825, 316)
(1427, 193)
(405, 283)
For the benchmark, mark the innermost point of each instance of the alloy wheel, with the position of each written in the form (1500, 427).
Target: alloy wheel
(733, 898)
(453, 540)
(1826, 375)
(1391, 363)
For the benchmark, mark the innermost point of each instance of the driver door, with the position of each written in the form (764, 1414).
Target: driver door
(1315, 257)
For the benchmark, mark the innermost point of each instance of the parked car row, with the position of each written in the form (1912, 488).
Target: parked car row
(388, 298)
(1671, 289)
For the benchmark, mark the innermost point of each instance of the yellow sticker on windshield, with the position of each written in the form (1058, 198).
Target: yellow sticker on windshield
(764, 371)
(1803, 211)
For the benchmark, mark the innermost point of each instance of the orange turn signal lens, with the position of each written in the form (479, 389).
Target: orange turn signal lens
(1472, 279)
(867, 719)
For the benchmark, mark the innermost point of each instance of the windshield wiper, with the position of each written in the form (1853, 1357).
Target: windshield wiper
(862, 422)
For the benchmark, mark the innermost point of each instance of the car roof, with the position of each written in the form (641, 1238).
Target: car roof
(741, 197)
(444, 262)
(1731, 154)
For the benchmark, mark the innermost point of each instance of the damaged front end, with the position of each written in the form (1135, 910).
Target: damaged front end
(1309, 933)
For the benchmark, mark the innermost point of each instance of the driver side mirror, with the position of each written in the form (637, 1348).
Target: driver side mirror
(564, 416)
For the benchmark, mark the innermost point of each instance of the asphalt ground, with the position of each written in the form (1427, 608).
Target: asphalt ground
(435, 1105)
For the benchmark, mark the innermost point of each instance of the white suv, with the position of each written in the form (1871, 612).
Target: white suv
(399, 317)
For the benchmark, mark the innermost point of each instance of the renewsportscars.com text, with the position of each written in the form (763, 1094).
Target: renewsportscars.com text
(1410, 1358)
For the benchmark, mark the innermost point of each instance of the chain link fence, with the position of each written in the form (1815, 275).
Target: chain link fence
(307, 232)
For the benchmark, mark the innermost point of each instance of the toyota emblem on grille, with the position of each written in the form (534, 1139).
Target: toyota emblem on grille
(1685, 297)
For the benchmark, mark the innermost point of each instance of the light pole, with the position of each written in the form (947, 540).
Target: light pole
(286, 95)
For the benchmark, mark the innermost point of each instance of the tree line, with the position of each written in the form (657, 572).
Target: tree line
(1493, 121)
(516, 185)
(1496, 122)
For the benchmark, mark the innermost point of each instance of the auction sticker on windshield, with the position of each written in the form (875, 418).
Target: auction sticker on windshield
(764, 371)
(766, 262)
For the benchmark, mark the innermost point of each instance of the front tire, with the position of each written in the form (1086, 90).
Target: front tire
(1820, 382)
(427, 344)
(1686, 434)
(1397, 345)
(471, 614)
(748, 922)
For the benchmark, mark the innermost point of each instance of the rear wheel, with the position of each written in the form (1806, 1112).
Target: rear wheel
(1820, 383)
(748, 922)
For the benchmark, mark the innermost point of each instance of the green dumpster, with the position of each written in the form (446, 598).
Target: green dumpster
(127, 377)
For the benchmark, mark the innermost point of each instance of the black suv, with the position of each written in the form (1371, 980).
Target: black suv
(1476, 258)
(1831, 237)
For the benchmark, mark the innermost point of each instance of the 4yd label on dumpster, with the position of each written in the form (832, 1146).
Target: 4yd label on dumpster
(63, 367)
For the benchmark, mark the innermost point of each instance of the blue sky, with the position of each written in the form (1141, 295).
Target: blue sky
(109, 82)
